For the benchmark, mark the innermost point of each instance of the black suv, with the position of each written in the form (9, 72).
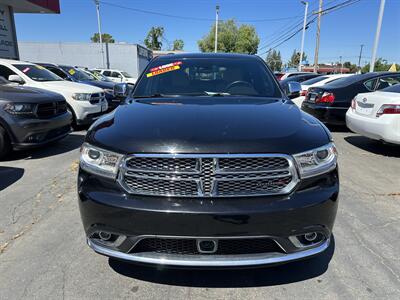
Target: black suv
(30, 117)
(208, 164)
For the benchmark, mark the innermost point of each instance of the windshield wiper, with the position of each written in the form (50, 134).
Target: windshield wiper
(155, 95)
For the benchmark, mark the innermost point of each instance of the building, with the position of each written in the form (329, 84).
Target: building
(8, 36)
(131, 58)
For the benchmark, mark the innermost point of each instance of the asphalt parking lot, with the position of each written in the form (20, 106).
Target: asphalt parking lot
(43, 254)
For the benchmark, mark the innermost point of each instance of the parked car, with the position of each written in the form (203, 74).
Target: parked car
(117, 75)
(30, 117)
(376, 115)
(97, 75)
(291, 74)
(75, 74)
(86, 103)
(316, 81)
(208, 171)
(330, 102)
(298, 78)
(278, 75)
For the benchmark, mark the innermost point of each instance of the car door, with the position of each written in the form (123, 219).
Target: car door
(117, 76)
(107, 74)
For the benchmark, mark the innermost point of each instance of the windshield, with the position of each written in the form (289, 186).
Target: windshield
(37, 73)
(392, 89)
(207, 76)
(126, 74)
(314, 80)
(77, 74)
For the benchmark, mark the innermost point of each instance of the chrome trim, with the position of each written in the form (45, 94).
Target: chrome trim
(292, 171)
(211, 260)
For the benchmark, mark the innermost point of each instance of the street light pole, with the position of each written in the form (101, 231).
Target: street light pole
(99, 28)
(318, 35)
(341, 65)
(359, 58)
(216, 28)
(304, 33)
(377, 34)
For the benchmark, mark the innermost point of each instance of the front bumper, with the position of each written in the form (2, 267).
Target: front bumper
(385, 128)
(31, 132)
(326, 114)
(312, 207)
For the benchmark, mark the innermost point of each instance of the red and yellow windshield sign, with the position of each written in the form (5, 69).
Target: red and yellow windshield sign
(164, 69)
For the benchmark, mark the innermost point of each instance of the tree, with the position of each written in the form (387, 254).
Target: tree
(380, 65)
(274, 60)
(153, 38)
(295, 59)
(231, 38)
(106, 38)
(178, 45)
(352, 67)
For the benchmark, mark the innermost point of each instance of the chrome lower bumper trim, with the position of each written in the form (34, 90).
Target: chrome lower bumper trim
(210, 260)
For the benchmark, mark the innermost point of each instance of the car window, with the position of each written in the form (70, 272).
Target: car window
(115, 74)
(107, 73)
(392, 89)
(370, 84)
(58, 72)
(199, 77)
(6, 72)
(77, 74)
(387, 81)
(37, 73)
(126, 75)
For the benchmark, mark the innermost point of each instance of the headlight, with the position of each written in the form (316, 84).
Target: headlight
(82, 96)
(20, 108)
(99, 161)
(317, 161)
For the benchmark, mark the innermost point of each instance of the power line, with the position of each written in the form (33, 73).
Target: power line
(289, 34)
(190, 18)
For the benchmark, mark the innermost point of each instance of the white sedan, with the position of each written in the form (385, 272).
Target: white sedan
(376, 115)
(313, 82)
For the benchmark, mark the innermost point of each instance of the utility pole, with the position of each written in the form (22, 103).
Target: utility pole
(304, 33)
(99, 27)
(341, 65)
(377, 34)
(216, 28)
(318, 35)
(359, 57)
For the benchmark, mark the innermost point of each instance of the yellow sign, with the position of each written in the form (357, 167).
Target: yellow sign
(71, 71)
(393, 68)
(164, 70)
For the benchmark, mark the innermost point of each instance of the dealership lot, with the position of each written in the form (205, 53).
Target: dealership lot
(43, 251)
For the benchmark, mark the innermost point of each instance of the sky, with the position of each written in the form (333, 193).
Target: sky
(342, 31)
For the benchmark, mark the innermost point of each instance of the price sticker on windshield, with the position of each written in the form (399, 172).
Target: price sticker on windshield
(164, 68)
(71, 71)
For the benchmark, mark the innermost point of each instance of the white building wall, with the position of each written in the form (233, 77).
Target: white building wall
(120, 56)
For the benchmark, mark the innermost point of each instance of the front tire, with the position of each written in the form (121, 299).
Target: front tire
(5, 145)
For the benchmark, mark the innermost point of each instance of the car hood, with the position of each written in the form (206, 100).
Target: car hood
(225, 125)
(70, 87)
(100, 84)
(16, 93)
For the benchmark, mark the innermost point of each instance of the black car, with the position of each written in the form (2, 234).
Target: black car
(209, 164)
(329, 103)
(74, 74)
(30, 117)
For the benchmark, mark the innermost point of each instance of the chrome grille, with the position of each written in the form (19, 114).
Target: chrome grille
(96, 98)
(186, 175)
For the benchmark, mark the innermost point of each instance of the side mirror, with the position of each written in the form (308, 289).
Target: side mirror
(16, 79)
(121, 90)
(293, 89)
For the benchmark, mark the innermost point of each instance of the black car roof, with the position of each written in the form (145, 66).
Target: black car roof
(346, 81)
(296, 77)
(207, 55)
